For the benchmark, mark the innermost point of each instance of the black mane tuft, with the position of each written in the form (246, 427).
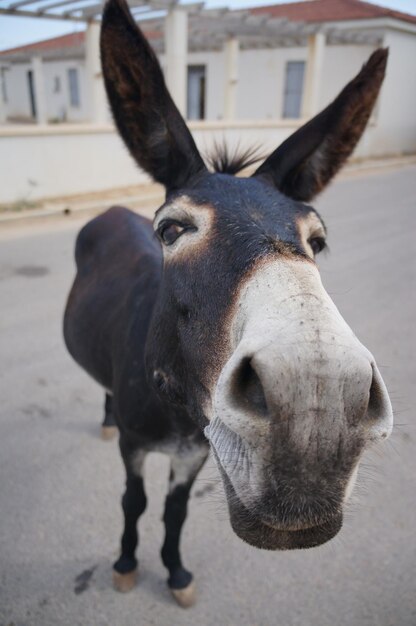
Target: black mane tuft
(225, 161)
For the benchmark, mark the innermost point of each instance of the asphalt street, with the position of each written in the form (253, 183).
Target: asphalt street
(60, 485)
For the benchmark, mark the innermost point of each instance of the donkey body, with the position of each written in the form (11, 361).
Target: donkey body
(106, 324)
(216, 332)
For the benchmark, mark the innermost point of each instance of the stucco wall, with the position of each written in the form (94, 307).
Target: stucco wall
(57, 104)
(397, 104)
(215, 80)
(260, 87)
(341, 64)
(18, 102)
(61, 160)
(261, 83)
(261, 75)
(261, 78)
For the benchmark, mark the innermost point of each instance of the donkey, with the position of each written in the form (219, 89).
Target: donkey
(210, 328)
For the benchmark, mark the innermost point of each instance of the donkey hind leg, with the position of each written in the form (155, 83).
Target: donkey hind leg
(133, 503)
(109, 427)
(184, 469)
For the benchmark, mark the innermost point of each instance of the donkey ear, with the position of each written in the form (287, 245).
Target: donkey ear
(305, 163)
(144, 112)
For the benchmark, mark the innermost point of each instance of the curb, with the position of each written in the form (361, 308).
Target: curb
(66, 208)
(149, 200)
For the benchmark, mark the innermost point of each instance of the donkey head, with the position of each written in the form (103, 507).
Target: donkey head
(243, 335)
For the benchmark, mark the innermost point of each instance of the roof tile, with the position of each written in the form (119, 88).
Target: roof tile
(306, 11)
(331, 11)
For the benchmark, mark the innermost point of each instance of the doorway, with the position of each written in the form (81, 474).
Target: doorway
(196, 92)
(31, 86)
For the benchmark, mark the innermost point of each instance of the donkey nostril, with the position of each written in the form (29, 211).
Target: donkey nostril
(247, 390)
(379, 412)
(376, 400)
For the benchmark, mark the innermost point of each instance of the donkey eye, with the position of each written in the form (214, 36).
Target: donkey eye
(170, 231)
(317, 244)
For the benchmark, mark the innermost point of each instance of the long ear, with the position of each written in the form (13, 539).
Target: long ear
(145, 114)
(305, 163)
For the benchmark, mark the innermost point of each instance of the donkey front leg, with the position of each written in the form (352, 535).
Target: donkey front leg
(134, 503)
(184, 469)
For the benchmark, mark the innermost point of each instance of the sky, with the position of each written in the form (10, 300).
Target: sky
(16, 31)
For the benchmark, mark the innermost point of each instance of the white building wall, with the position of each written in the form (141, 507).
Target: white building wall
(396, 115)
(215, 81)
(341, 64)
(18, 99)
(262, 81)
(260, 88)
(56, 101)
(57, 104)
(261, 78)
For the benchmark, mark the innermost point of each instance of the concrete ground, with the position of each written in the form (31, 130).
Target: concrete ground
(60, 485)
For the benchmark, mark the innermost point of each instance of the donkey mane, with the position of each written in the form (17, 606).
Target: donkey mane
(223, 160)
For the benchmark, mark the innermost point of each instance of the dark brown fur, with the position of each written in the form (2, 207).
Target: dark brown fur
(155, 334)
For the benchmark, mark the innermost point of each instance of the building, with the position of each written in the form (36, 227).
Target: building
(241, 73)
(271, 69)
(63, 61)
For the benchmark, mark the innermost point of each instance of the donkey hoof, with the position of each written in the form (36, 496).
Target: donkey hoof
(108, 432)
(125, 582)
(185, 597)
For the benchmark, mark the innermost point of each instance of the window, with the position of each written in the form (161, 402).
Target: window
(73, 87)
(196, 92)
(57, 84)
(3, 85)
(32, 98)
(292, 102)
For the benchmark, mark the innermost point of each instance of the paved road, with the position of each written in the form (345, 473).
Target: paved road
(60, 485)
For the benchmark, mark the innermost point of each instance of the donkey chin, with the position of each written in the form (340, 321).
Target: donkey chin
(275, 501)
(261, 528)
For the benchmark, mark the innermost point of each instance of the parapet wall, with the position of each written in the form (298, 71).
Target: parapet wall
(49, 161)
